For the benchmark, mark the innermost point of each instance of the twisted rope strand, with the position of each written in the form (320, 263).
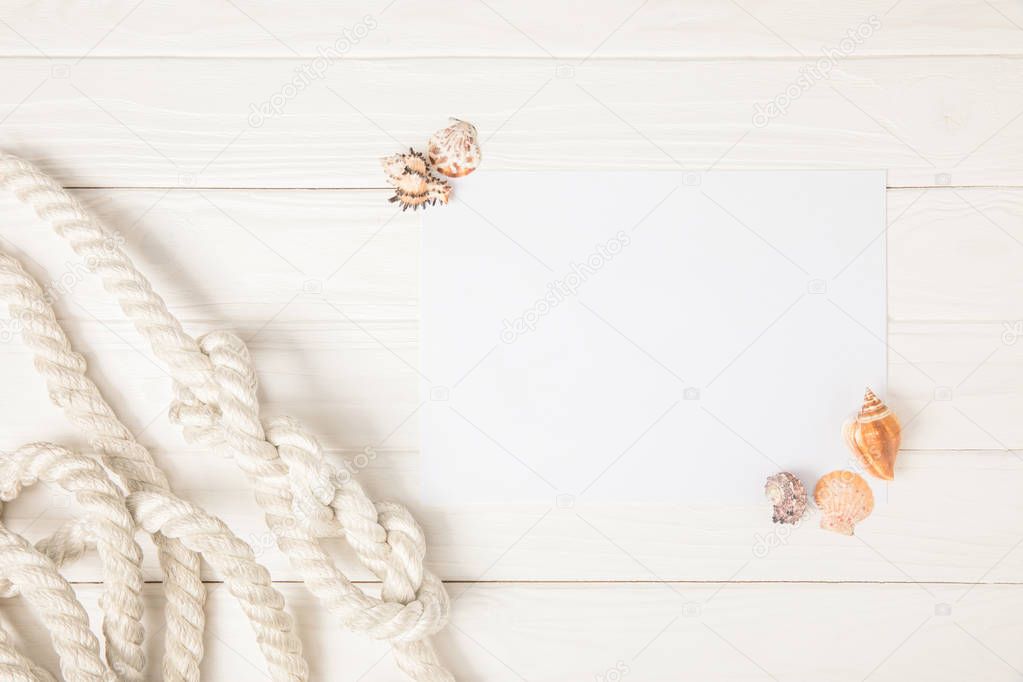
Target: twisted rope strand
(303, 496)
(14, 666)
(246, 579)
(88, 481)
(110, 527)
(71, 389)
(37, 579)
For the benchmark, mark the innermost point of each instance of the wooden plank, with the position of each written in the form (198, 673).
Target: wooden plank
(954, 256)
(357, 251)
(294, 248)
(202, 122)
(500, 28)
(657, 632)
(340, 300)
(927, 529)
(324, 283)
(956, 305)
(354, 381)
(358, 385)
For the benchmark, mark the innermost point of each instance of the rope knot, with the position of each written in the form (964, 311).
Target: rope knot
(304, 496)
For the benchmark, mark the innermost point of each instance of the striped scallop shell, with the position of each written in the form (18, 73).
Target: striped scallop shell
(874, 436)
(455, 151)
(844, 499)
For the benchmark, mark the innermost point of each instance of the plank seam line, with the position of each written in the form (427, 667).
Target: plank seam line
(373, 188)
(585, 581)
(413, 56)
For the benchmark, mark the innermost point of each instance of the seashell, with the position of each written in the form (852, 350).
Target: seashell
(414, 184)
(844, 499)
(455, 151)
(788, 495)
(874, 436)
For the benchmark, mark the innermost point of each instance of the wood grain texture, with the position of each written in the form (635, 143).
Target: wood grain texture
(204, 122)
(331, 319)
(270, 223)
(971, 535)
(660, 633)
(501, 28)
(325, 284)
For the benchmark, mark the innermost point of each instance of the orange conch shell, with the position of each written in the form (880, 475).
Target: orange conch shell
(414, 184)
(844, 499)
(874, 436)
(455, 151)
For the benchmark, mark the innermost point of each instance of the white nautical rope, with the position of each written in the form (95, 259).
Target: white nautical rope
(109, 526)
(304, 497)
(15, 667)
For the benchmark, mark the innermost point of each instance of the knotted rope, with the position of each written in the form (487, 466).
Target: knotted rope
(304, 497)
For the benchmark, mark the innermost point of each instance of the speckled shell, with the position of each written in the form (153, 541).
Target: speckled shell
(414, 184)
(455, 150)
(874, 436)
(844, 499)
(788, 495)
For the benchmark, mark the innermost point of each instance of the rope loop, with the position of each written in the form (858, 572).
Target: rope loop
(305, 496)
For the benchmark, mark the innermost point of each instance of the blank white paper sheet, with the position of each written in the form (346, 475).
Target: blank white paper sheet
(634, 337)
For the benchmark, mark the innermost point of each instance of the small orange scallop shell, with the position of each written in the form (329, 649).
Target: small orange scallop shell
(414, 184)
(455, 150)
(874, 436)
(844, 499)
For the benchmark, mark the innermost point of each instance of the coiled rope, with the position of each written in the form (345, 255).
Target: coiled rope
(121, 490)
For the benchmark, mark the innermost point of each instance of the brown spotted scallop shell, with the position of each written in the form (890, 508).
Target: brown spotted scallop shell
(455, 151)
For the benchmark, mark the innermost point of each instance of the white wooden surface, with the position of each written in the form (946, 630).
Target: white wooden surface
(281, 232)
